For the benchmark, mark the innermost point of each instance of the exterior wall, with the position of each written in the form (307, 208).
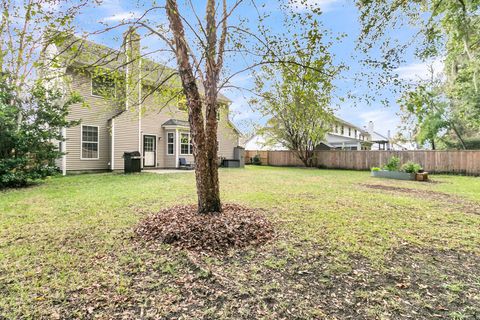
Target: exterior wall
(125, 136)
(152, 121)
(125, 130)
(169, 161)
(98, 112)
(227, 136)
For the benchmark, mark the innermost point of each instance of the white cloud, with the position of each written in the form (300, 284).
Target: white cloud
(325, 5)
(420, 70)
(122, 16)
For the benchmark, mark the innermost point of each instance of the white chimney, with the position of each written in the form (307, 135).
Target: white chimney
(370, 127)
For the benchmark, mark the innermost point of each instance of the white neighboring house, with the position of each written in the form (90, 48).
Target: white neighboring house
(343, 136)
(259, 143)
(346, 136)
(381, 142)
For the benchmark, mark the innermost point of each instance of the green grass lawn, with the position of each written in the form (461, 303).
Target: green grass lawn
(347, 246)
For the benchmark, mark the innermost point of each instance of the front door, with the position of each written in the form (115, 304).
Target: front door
(149, 148)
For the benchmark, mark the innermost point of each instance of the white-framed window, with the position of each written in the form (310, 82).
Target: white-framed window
(89, 143)
(170, 143)
(349, 131)
(186, 147)
(103, 85)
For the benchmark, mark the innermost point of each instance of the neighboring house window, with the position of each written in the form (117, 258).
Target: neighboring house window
(336, 128)
(355, 133)
(89, 142)
(218, 115)
(170, 143)
(103, 86)
(185, 144)
(343, 130)
(349, 132)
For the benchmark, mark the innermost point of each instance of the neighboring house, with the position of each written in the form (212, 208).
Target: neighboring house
(259, 142)
(347, 136)
(381, 142)
(343, 136)
(140, 121)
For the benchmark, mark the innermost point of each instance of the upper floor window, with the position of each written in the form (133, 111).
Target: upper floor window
(89, 142)
(170, 143)
(349, 132)
(103, 85)
(186, 147)
(343, 130)
(356, 134)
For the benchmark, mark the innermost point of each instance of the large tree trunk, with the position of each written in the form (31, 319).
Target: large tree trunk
(204, 139)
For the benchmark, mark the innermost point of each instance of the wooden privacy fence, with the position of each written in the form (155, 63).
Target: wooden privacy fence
(455, 161)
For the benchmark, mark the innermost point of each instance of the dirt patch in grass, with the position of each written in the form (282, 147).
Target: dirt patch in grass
(449, 199)
(235, 227)
(315, 282)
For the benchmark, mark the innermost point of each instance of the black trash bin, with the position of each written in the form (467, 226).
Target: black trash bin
(131, 162)
(231, 163)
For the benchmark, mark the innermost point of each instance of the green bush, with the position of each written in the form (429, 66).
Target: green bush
(30, 128)
(393, 164)
(376, 169)
(411, 167)
(256, 160)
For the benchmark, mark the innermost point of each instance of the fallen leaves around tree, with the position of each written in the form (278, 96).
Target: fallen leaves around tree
(235, 227)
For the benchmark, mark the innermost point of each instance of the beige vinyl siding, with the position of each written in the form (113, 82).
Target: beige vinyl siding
(128, 132)
(227, 136)
(168, 160)
(126, 136)
(96, 113)
(152, 120)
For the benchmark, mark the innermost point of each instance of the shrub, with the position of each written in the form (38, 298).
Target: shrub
(411, 167)
(256, 160)
(393, 164)
(376, 169)
(30, 129)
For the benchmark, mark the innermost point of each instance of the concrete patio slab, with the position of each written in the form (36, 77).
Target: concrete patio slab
(166, 171)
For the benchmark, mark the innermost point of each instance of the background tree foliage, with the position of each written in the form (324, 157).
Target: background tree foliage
(296, 96)
(31, 114)
(448, 30)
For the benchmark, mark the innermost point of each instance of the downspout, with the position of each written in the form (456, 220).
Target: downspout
(139, 103)
(177, 148)
(64, 151)
(112, 161)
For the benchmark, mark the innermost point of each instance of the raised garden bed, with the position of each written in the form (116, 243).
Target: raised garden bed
(399, 175)
(393, 170)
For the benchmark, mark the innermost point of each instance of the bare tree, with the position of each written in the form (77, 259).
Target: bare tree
(200, 48)
(204, 136)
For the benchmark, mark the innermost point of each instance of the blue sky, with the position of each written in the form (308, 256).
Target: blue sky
(339, 16)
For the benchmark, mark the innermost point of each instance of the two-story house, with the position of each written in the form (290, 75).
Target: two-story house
(343, 135)
(347, 136)
(130, 104)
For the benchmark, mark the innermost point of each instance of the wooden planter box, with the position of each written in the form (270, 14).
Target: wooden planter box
(398, 175)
